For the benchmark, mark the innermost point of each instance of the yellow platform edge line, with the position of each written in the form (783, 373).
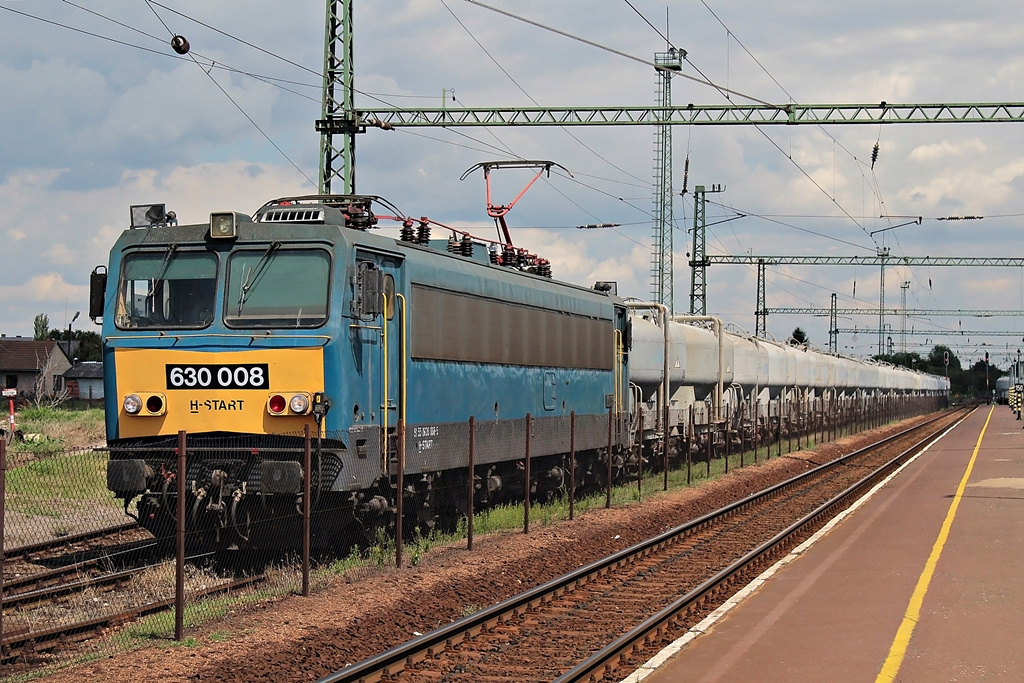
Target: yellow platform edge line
(898, 650)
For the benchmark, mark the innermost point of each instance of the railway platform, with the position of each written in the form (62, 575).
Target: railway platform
(921, 580)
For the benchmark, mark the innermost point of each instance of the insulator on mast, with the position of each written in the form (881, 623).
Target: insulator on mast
(686, 174)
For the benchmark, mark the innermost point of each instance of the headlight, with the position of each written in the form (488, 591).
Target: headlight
(299, 404)
(132, 404)
(224, 225)
(289, 404)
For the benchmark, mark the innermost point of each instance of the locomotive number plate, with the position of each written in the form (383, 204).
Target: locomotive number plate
(242, 376)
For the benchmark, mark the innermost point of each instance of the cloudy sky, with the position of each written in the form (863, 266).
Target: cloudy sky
(98, 113)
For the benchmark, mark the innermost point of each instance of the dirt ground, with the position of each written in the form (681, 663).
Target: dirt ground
(302, 639)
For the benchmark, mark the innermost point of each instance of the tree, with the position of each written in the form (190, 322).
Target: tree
(937, 360)
(41, 327)
(799, 337)
(910, 360)
(89, 345)
(81, 345)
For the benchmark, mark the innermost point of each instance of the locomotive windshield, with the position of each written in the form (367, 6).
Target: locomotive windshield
(167, 289)
(276, 287)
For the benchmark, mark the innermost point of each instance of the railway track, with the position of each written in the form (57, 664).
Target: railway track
(98, 570)
(41, 571)
(617, 612)
(23, 641)
(67, 581)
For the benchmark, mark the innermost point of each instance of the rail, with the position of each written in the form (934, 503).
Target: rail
(431, 644)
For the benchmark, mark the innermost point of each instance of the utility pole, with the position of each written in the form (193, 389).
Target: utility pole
(73, 319)
(883, 254)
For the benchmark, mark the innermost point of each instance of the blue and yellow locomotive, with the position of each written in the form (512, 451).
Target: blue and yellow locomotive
(243, 331)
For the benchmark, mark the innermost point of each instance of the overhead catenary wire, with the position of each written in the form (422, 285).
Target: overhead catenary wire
(210, 63)
(238, 106)
(530, 97)
(689, 129)
(835, 141)
(655, 65)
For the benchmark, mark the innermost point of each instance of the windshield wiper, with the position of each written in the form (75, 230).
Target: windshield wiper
(168, 257)
(253, 275)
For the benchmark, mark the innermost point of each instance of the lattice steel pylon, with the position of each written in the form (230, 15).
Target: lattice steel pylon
(662, 283)
(833, 318)
(699, 256)
(761, 314)
(338, 115)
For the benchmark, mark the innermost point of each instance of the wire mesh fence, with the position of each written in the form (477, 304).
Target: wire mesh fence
(283, 514)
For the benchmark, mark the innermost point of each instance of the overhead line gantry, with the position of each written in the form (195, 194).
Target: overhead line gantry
(881, 258)
(340, 118)
(676, 115)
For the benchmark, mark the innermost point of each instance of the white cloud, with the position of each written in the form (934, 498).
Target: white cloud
(43, 289)
(99, 126)
(946, 149)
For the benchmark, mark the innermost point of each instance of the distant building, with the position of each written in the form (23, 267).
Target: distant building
(85, 380)
(32, 367)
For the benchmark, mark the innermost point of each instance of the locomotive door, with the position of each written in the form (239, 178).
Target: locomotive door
(381, 344)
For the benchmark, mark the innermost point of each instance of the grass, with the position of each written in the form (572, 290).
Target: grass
(52, 486)
(55, 485)
(57, 429)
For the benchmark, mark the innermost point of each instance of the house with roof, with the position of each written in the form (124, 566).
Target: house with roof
(85, 380)
(33, 367)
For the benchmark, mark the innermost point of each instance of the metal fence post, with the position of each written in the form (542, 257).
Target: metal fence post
(689, 446)
(778, 430)
(179, 553)
(728, 435)
(743, 430)
(307, 495)
(526, 481)
(3, 516)
(789, 427)
(710, 431)
(666, 430)
(472, 482)
(608, 486)
(399, 508)
(640, 452)
(755, 409)
(572, 465)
